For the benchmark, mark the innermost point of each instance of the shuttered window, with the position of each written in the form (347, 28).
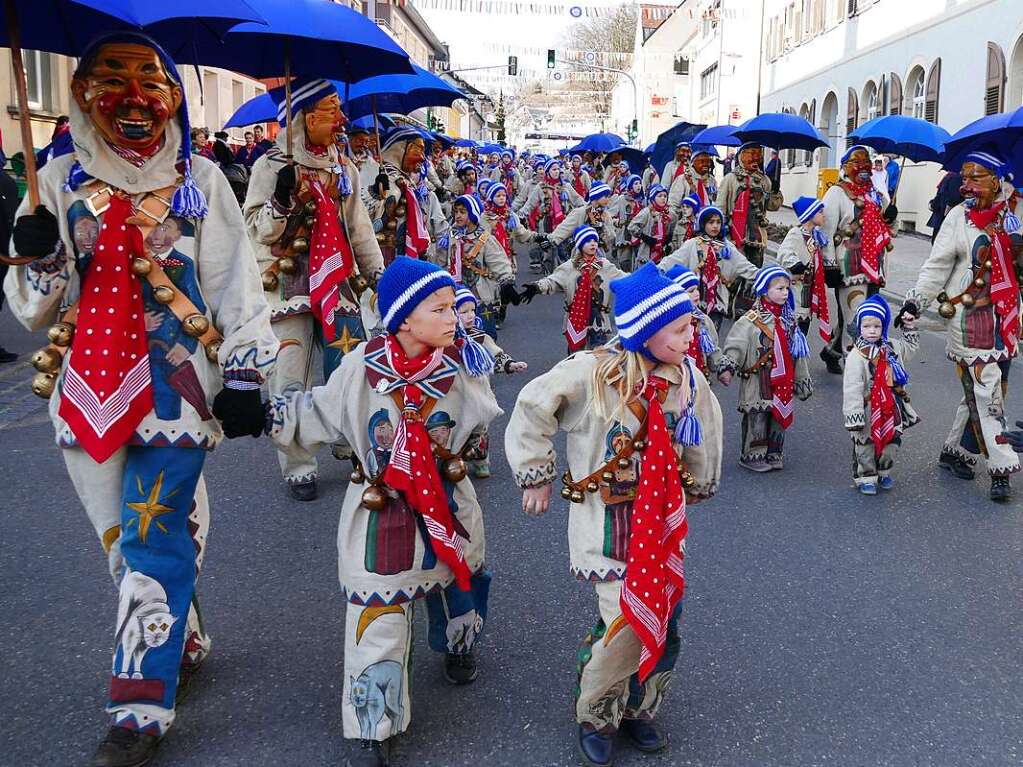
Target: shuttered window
(932, 92)
(851, 115)
(895, 94)
(994, 87)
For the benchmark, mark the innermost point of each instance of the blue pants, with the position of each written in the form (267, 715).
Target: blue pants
(457, 617)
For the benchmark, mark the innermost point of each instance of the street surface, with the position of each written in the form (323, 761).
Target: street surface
(820, 627)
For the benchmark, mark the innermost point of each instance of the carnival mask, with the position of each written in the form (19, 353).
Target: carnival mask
(415, 153)
(703, 164)
(683, 154)
(359, 144)
(128, 95)
(323, 119)
(752, 159)
(857, 166)
(979, 185)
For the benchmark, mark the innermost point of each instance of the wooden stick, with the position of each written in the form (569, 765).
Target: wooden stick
(376, 122)
(21, 85)
(287, 95)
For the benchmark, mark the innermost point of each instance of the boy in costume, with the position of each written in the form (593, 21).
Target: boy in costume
(653, 227)
(583, 279)
(624, 208)
(766, 349)
(596, 213)
(678, 164)
(874, 403)
(549, 204)
(316, 248)
(695, 179)
(504, 224)
(149, 353)
(411, 527)
(644, 438)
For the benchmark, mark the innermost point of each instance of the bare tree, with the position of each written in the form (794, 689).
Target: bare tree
(603, 34)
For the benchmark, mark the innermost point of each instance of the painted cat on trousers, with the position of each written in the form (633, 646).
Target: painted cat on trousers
(375, 693)
(144, 621)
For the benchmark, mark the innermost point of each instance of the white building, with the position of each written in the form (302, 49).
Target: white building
(842, 62)
(700, 64)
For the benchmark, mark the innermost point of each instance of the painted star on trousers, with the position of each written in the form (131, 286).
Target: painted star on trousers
(151, 508)
(346, 342)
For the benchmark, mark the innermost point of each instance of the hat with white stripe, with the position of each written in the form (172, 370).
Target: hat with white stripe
(645, 302)
(692, 201)
(305, 91)
(654, 190)
(875, 306)
(463, 295)
(403, 286)
(583, 235)
(989, 160)
(764, 276)
(598, 190)
(471, 205)
(551, 164)
(494, 189)
(806, 208)
(683, 276)
(401, 134)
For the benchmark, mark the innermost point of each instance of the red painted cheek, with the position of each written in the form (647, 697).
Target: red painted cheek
(158, 108)
(107, 103)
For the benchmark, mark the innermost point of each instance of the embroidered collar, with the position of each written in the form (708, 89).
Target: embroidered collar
(384, 380)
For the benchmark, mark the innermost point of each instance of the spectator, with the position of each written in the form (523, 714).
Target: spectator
(726, 164)
(8, 206)
(879, 176)
(247, 154)
(894, 171)
(201, 145)
(946, 198)
(262, 143)
(773, 171)
(60, 142)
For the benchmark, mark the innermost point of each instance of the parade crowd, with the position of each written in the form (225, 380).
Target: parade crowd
(192, 293)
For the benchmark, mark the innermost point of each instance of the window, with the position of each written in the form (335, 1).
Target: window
(710, 18)
(931, 95)
(871, 101)
(709, 81)
(894, 94)
(681, 65)
(37, 73)
(915, 88)
(994, 89)
(811, 117)
(851, 114)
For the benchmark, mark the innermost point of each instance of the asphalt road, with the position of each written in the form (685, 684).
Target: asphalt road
(820, 627)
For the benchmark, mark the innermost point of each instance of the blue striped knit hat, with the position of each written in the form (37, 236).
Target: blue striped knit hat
(991, 161)
(404, 284)
(597, 191)
(767, 273)
(646, 301)
(692, 201)
(654, 190)
(875, 306)
(463, 295)
(494, 189)
(463, 165)
(583, 235)
(683, 276)
(305, 91)
(550, 165)
(710, 210)
(806, 208)
(472, 206)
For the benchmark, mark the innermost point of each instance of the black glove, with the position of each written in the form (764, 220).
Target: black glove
(649, 239)
(509, 295)
(381, 183)
(287, 180)
(1013, 438)
(241, 411)
(908, 307)
(833, 277)
(36, 234)
(544, 242)
(443, 195)
(798, 268)
(529, 290)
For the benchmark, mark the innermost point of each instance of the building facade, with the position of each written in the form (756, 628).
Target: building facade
(840, 63)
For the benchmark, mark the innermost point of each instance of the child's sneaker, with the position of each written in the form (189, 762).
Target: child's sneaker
(755, 464)
(886, 483)
(480, 469)
(868, 488)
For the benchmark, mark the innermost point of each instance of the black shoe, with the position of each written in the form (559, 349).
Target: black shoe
(831, 361)
(186, 674)
(305, 491)
(371, 753)
(645, 734)
(461, 668)
(123, 747)
(6, 356)
(956, 465)
(595, 748)
(1000, 490)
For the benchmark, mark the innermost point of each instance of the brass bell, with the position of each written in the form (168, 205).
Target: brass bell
(592, 486)
(270, 281)
(966, 299)
(213, 352)
(300, 245)
(309, 222)
(141, 266)
(979, 282)
(357, 477)
(454, 470)
(373, 498)
(43, 384)
(195, 325)
(688, 480)
(359, 284)
(624, 463)
(566, 477)
(399, 210)
(287, 265)
(639, 444)
(61, 333)
(46, 360)
(576, 496)
(310, 207)
(607, 476)
(163, 294)
(947, 310)
(987, 264)
(566, 493)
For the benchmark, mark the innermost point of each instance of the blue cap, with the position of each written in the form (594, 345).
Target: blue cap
(403, 286)
(806, 208)
(646, 301)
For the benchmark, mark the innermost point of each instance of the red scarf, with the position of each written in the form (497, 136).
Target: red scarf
(701, 192)
(737, 226)
(654, 577)
(783, 373)
(108, 388)
(1004, 287)
(710, 273)
(659, 218)
(695, 350)
(882, 402)
(498, 227)
(330, 260)
(557, 214)
(679, 170)
(577, 322)
(412, 469)
(417, 239)
(578, 185)
(819, 292)
(874, 234)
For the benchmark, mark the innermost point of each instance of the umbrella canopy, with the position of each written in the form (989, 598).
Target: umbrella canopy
(446, 142)
(260, 109)
(467, 143)
(383, 122)
(398, 94)
(718, 135)
(1001, 134)
(636, 158)
(664, 147)
(599, 142)
(492, 149)
(650, 149)
(780, 131)
(910, 137)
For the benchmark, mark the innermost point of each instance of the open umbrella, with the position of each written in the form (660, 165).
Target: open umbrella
(718, 135)
(445, 141)
(1000, 133)
(780, 131)
(664, 147)
(650, 149)
(636, 158)
(399, 94)
(599, 142)
(910, 137)
(260, 109)
(467, 143)
(382, 122)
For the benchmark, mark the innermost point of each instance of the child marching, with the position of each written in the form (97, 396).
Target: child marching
(703, 349)
(652, 228)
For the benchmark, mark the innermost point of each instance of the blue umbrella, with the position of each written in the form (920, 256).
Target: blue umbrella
(780, 131)
(599, 142)
(910, 137)
(636, 158)
(445, 141)
(650, 149)
(399, 94)
(664, 148)
(1001, 134)
(718, 135)
(260, 109)
(383, 122)
(467, 143)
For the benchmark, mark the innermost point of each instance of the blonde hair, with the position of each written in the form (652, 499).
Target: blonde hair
(622, 370)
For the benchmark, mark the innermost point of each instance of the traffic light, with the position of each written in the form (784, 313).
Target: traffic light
(550, 58)
(513, 65)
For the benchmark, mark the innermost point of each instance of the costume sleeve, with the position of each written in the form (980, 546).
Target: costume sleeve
(907, 346)
(804, 382)
(521, 233)
(639, 223)
(311, 419)
(565, 229)
(264, 218)
(573, 196)
(726, 195)
(833, 199)
(496, 261)
(679, 189)
(736, 347)
(704, 460)
(789, 251)
(742, 265)
(556, 400)
(521, 196)
(940, 263)
(231, 284)
(532, 202)
(556, 280)
(853, 410)
(360, 230)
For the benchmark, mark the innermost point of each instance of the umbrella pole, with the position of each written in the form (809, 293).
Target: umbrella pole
(287, 95)
(902, 167)
(18, 64)
(376, 122)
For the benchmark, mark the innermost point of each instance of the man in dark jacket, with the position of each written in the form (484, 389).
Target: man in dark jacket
(773, 171)
(946, 198)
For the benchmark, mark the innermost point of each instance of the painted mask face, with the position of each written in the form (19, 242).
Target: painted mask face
(128, 95)
(703, 163)
(752, 159)
(323, 120)
(86, 233)
(415, 153)
(683, 154)
(857, 167)
(359, 143)
(979, 185)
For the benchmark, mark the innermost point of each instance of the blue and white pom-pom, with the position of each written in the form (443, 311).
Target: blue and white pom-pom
(1011, 223)
(344, 184)
(819, 237)
(706, 342)
(688, 431)
(188, 200)
(477, 360)
(76, 176)
(899, 375)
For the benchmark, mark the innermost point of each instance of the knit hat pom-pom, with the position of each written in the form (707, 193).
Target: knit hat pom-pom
(797, 344)
(188, 200)
(688, 430)
(706, 342)
(478, 361)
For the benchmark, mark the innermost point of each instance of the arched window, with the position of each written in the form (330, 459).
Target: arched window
(851, 114)
(870, 101)
(994, 87)
(830, 128)
(812, 117)
(894, 94)
(933, 91)
(1014, 84)
(790, 154)
(915, 89)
